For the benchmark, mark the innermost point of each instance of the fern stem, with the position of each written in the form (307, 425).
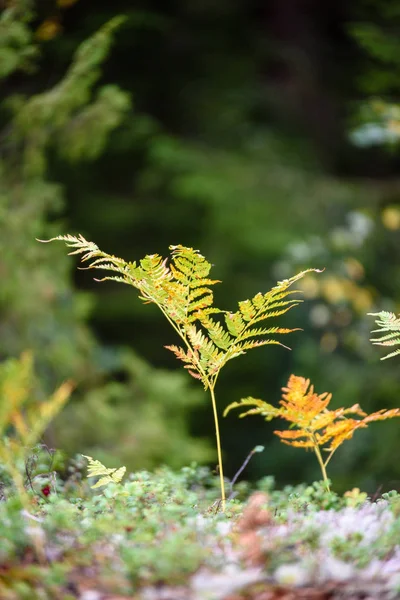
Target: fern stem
(184, 339)
(220, 467)
(321, 463)
(329, 457)
(213, 401)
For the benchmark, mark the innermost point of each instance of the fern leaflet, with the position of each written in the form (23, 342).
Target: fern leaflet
(389, 326)
(97, 469)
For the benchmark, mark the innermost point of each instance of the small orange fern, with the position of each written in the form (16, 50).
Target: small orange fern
(312, 424)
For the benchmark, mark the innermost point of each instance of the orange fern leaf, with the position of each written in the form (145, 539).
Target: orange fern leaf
(301, 404)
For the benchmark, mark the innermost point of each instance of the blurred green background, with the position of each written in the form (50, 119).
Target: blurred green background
(263, 133)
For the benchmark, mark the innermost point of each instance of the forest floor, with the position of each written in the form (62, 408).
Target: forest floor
(163, 536)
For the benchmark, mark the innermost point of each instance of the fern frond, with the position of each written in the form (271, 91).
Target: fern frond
(243, 347)
(216, 332)
(390, 339)
(197, 306)
(190, 271)
(190, 263)
(261, 408)
(97, 469)
(196, 292)
(207, 350)
(387, 322)
(263, 306)
(190, 358)
(118, 280)
(262, 331)
(179, 353)
(312, 425)
(204, 312)
(182, 291)
(391, 354)
(234, 323)
(294, 443)
(81, 245)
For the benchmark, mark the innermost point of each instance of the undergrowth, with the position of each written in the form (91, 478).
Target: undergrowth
(163, 530)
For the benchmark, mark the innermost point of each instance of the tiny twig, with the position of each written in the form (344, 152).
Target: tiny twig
(377, 493)
(242, 468)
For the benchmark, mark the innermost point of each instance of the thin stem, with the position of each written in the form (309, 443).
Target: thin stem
(183, 338)
(321, 463)
(329, 457)
(214, 405)
(242, 468)
(220, 468)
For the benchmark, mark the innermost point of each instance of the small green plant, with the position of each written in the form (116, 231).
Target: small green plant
(389, 326)
(312, 424)
(22, 420)
(97, 469)
(22, 423)
(181, 289)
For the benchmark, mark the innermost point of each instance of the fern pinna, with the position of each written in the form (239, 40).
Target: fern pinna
(181, 288)
(97, 469)
(312, 425)
(389, 326)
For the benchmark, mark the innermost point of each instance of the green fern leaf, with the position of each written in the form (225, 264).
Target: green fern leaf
(262, 331)
(198, 305)
(82, 246)
(192, 295)
(201, 314)
(112, 478)
(268, 411)
(216, 332)
(243, 347)
(196, 292)
(391, 354)
(387, 322)
(234, 323)
(97, 469)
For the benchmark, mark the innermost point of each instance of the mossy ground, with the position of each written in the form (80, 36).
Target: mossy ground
(163, 536)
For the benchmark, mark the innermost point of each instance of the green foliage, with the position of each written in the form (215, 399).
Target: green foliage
(180, 290)
(17, 50)
(376, 35)
(389, 327)
(379, 113)
(23, 420)
(66, 118)
(161, 531)
(167, 506)
(50, 318)
(97, 469)
(380, 124)
(22, 423)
